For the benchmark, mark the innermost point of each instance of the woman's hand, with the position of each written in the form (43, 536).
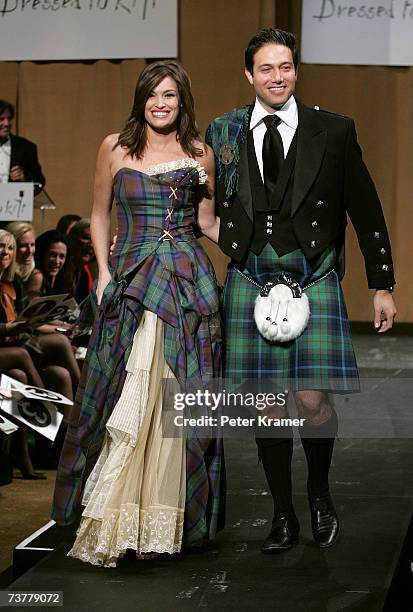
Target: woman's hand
(103, 281)
(51, 327)
(15, 328)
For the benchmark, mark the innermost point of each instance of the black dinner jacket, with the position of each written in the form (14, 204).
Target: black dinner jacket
(331, 182)
(24, 154)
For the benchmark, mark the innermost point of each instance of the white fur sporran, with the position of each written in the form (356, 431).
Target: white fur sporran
(281, 310)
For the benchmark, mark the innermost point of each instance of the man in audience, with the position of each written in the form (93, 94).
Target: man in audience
(18, 156)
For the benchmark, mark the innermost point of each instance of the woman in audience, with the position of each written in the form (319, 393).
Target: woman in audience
(40, 280)
(24, 234)
(25, 238)
(51, 275)
(15, 359)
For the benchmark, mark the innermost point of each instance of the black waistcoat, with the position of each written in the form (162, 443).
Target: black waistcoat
(272, 220)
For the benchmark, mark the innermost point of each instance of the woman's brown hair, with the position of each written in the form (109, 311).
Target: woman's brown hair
(133, 135)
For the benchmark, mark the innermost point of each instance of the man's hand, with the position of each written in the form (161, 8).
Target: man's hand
(17, 174)
(384, 310)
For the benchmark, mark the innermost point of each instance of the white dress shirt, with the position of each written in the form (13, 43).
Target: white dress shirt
(289, 122)
(5, 153)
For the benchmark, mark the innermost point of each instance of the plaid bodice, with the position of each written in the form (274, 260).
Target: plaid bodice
(157, 255)
(155, 211)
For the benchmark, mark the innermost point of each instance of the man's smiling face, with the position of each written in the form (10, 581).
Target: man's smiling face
(274, 75)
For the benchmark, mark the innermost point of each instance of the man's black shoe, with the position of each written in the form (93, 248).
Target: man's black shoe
(283, 535)
(324, 520)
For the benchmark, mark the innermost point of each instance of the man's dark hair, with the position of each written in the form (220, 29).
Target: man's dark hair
(274, 36)
(6, 106)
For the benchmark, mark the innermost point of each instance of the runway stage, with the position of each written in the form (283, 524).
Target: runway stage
(372, 486)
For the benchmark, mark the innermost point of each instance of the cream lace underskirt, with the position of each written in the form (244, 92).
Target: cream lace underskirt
(135, 496)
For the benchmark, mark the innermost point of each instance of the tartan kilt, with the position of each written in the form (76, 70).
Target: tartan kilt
(321, 358)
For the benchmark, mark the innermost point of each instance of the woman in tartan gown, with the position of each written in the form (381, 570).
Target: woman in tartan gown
(157, 317)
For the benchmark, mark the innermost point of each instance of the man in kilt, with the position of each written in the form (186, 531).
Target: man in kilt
(287, 177)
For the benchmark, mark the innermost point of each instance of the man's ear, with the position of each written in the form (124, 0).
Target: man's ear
(249, 76)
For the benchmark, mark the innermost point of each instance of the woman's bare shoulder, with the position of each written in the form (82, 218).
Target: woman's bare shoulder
(110, 141)
(108, 151)
(36, 273)
(207, 157)
(34, 283)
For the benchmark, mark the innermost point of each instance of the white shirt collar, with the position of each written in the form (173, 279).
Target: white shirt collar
(287, 113)
(6, 143)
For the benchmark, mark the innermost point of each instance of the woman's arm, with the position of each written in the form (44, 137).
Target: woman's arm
(207, 221)
(100, 217)
(13, 328)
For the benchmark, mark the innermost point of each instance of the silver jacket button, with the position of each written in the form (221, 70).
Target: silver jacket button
(230, 224)
(383, 251)
(385, 267)
(377, 234)
(314, 224)
(234, 245)
(320, 203)
(225, 204)
(312, 243)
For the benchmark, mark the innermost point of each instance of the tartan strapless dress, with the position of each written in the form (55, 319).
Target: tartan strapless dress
(158, 318)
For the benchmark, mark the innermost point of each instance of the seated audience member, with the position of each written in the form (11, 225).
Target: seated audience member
(65, 223)
(55, 359)
(51, 275)
(25, 240)
(56, 348)
(81, 255)
(15, 358)
(18, 156)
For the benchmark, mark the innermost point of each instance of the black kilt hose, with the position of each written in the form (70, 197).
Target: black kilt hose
(321, 358)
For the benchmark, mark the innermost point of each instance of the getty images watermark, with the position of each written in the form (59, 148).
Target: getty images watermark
(222, 410)
(378, 408)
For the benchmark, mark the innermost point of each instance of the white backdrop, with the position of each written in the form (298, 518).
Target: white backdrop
(378, 32)
(87, 29)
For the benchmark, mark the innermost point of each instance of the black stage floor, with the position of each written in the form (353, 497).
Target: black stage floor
(372, 485)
